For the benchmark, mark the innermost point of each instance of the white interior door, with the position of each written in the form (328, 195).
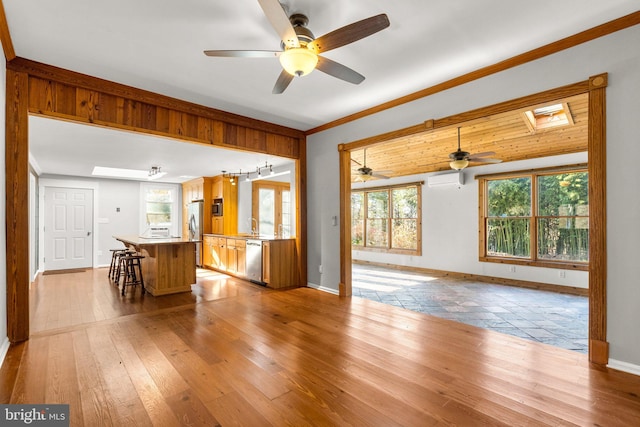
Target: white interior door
(68, 232)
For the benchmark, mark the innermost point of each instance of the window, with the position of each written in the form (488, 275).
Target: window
(549, 116)
(387, 219)
(539, 218)
(159, 207)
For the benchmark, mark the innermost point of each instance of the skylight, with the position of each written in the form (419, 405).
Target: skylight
(124, 173)
(548, 116)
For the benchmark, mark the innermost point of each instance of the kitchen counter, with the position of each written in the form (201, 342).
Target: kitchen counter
(271, 262)
(169, 264)
(250, 236)
(138, 240)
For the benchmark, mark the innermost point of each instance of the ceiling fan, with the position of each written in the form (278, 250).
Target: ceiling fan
(364, 173)
(300, 50)
(460, 159)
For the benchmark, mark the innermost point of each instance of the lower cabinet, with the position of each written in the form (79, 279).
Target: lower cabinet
(241, 257)
(279, 264)
(207, 251)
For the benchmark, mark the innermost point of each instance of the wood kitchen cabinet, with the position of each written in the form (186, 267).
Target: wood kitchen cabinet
(232, 257)
(237, 256)
(241, 257)
(222, 188)
(220, 253)
(278, 263)
(207, 251)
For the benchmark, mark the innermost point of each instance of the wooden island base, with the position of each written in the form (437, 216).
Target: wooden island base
(168, 266)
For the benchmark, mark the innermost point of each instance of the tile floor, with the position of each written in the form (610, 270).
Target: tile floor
(548, 317)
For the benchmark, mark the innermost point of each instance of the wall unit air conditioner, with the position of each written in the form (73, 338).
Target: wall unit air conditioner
(449, 178)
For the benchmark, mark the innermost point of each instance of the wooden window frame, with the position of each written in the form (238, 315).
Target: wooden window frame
(533, 217)
(389, 249)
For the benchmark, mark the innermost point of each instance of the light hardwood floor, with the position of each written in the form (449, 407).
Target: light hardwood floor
(233, 353)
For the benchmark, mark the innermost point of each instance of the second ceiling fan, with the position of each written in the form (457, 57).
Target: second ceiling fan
(460, 159)
(300, 50)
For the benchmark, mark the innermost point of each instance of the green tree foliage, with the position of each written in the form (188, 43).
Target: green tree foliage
(508, 202)
(563, 223)
(562, 216)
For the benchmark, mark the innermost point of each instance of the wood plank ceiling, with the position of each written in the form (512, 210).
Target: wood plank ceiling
(508, 135)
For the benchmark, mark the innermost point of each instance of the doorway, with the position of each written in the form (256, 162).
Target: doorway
(595, 87)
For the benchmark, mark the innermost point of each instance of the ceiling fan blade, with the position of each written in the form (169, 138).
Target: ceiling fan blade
(481, 160)
(282, 83)
(484, 154)
(379, 175)
(350, 33)
(280, 22)
(339, 71)
(243, 53)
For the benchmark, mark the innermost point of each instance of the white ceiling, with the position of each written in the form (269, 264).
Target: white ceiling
(158, 45)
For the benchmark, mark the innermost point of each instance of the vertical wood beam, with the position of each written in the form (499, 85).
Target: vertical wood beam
(301, 217)
(597, 167)
(345, 221)
(17, 205)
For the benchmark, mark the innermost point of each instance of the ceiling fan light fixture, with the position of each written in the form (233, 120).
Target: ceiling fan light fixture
(298, 61)
(459, 164)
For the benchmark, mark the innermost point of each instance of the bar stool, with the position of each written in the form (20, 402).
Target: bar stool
(115, 262)
(132, 272)
(120, 268)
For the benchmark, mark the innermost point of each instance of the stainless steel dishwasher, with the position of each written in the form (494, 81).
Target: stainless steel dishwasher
(254, 261)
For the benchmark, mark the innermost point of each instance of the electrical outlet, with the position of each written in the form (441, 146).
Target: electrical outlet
(562, 274)
(512, 268)
(320, 269)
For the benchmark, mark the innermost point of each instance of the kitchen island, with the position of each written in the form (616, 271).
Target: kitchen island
(169, 264)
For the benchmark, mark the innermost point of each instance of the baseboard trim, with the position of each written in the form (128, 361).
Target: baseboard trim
(572, 290)
(323, 288)
(624, 366)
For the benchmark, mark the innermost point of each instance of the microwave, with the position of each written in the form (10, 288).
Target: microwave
(216, 207)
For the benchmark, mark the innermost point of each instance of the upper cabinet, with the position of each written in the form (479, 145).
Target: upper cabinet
(223, 189)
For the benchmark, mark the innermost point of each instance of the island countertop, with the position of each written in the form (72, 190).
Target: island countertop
(137, 240)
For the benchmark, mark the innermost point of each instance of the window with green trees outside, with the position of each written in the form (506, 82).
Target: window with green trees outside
(387, 219)
(538, 217)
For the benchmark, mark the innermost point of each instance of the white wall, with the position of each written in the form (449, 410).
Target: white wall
(4, 340)
(450, 228)
(617, 54)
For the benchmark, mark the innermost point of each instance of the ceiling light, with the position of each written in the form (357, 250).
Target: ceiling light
(154, 173)
(459, 164)
(298, 61)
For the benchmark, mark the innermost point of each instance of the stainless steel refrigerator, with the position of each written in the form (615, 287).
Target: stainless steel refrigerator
(195, 221)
